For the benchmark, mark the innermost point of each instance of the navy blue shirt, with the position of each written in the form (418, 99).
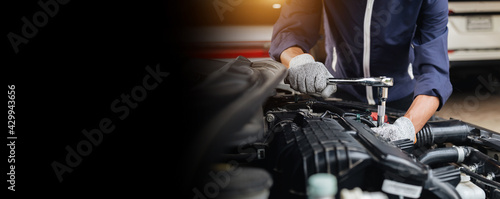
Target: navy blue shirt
(406, 40)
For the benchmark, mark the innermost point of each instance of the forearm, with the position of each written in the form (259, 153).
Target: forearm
(289, 54)
(298, 25)
(421, 110)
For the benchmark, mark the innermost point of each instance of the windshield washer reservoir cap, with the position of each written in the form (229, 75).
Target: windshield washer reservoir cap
(321, 184)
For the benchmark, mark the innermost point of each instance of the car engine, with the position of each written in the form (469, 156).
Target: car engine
(260, 139)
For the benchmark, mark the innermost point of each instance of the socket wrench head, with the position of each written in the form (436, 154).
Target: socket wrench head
(383, 81)
(368, 81)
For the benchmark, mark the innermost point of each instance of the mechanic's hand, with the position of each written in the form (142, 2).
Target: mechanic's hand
(402, 128)
(308, 76)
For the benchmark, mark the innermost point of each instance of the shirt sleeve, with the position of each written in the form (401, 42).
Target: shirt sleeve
(430, 45)
(298, 25)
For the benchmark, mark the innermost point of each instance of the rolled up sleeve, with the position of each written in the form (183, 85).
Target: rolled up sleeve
(431, 62)
(298, 25)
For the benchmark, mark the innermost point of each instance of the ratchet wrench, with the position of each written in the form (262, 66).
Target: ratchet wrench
(382, 83)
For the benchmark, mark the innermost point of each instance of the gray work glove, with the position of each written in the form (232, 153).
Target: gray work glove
(309, 76)
(402, 128)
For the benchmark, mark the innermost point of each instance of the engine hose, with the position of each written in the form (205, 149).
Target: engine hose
(445, 155)
(438, 132)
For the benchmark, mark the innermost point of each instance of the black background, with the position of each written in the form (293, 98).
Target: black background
(66, 78)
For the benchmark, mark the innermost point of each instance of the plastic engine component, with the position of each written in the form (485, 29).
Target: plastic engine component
(469, 190)
(317, 145)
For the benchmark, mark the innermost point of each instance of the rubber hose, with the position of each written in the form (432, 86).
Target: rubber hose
(438, 132)
(444, 155)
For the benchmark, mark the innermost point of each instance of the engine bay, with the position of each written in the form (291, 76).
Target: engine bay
(286, 137)
(314, 136)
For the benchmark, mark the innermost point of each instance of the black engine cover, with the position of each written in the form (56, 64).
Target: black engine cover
(305, 146)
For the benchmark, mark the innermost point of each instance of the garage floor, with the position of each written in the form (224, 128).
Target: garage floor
(475, 99)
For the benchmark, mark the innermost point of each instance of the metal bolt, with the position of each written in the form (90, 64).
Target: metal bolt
(474, 167)
(270, 118)
(490, 176)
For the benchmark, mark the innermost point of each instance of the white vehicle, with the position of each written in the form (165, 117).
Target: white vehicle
(474, 32)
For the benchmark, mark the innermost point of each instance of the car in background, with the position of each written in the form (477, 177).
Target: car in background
(474, 33)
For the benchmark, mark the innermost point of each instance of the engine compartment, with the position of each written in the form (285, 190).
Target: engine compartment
(270, 140)
(317, 136)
